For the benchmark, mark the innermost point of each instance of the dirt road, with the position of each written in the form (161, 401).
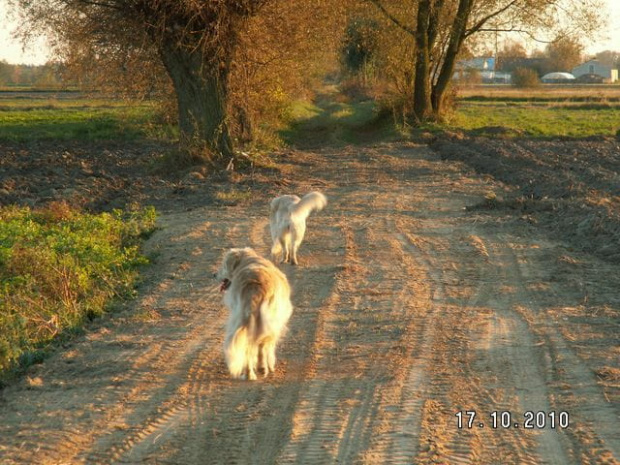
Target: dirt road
(408, 310)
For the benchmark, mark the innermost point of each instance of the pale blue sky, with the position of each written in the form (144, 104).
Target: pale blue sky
(11, 50)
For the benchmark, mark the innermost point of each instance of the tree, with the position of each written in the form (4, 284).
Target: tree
(195, 41)
(609, 58)
(512, 49)
(439, 29)
(563, 54)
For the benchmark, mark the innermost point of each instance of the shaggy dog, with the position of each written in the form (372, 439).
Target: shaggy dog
(258, 296)
(287, 222)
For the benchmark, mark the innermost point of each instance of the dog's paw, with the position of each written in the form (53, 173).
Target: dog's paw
(252, 376)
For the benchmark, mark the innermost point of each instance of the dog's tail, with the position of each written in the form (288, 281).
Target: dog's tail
(276, 251)
(235, 351)
(314, 201)
(240, 348)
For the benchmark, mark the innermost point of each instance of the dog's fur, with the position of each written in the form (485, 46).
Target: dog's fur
(287, 222)
(258, 297)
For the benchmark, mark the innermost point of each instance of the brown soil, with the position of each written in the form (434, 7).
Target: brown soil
(424, 290)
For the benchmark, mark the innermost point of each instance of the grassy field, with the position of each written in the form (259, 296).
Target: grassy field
(58, 268)
(557, 111)
(595, 92)
(537, 120)
(35, 116)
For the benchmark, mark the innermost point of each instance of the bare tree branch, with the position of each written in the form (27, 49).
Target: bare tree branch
(392, 18)
(478, 26)
(520, 31)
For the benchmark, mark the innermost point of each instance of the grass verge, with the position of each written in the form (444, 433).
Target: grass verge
(60, 268)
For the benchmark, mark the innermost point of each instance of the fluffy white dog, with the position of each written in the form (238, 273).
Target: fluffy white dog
(258, 296)
(287, 222)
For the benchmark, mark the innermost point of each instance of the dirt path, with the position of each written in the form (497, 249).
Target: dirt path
(408, 310)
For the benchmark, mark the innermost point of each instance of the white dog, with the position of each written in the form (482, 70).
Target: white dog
(287, 222)
(259, 299)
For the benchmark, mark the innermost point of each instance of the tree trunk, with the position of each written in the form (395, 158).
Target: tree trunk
(422, 108)
(457, 36)
(201, 88)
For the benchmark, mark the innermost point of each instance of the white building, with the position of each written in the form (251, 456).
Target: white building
(597, 68)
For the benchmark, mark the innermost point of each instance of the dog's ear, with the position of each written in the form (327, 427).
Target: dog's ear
(232, 259)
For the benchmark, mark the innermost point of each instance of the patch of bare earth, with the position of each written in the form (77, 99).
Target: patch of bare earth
(409, 308)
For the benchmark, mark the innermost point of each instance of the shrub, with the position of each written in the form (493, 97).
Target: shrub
(360, 45)
(525, 77)
(60, 267)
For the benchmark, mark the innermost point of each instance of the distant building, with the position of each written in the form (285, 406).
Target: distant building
(484, 66)
(479, 64)
(558, 78)
(510, 64)
(596, 68)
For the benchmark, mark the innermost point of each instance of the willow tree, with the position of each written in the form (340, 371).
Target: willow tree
(195, 42)
(440, 28)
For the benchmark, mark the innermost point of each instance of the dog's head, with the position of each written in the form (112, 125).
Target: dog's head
(231, 261)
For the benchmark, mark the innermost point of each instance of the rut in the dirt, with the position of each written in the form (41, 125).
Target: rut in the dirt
(408, 310)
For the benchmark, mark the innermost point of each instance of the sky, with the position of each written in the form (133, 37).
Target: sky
(11, 50)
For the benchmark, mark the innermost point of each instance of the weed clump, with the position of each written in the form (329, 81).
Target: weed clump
(60, 267)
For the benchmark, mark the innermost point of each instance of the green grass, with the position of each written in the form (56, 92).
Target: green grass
(59, 268)
(233, 196)
(545, 119)
(333, 122)
(546, 111)
(39, 118)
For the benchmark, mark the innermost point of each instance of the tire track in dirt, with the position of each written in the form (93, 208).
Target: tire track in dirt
(244, 410)
(514, 356)
(363, 324)
(246, 407)
(468, 374)
(156, 416)
(593, 434)
(112, 392)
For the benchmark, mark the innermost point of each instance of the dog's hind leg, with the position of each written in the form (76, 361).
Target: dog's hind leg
(276, 251)
(252, 359)
(285, 244)
(295, 242)
(268, 355)
(296, 237)
(285, 241)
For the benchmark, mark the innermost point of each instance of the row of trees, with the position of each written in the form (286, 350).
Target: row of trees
(230, 61)
(562, 54)
(29, 76)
